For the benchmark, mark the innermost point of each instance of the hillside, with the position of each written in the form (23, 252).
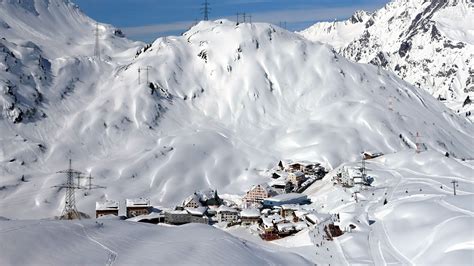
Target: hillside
(224, 102)
(427, 43)
(127, 243)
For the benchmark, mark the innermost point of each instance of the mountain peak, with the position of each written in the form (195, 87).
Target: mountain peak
(427, 43)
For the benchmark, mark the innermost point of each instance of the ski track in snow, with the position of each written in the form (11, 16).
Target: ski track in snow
(112, 254)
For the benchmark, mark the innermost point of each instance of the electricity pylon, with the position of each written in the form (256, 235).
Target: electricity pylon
(97, 45)
(70, 211)
(205, 10)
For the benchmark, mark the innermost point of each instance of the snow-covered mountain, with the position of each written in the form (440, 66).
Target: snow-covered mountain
(223, 103)
(43, 45)
(429, 43)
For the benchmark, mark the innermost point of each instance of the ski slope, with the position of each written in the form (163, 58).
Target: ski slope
(422, 223)
(117, 242)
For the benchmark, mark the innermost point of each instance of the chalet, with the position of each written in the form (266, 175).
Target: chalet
(202, 198)
(256, 194)
(136, 207)
(109, 207)
(249, 216)
(296, 178)
(227, 214)
(290, 198)
(295, 167)
(192, 201)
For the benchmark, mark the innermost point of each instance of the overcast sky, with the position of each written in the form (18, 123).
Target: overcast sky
(147, 20)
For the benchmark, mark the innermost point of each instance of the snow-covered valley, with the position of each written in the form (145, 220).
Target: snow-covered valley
(216, 108)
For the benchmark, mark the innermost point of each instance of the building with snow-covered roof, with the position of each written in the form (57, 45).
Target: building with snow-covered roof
(250, 216)
(296, 178)
(281, 184)
(290, 198)
(257, 193)
(316, 218)
(285, 228)
(202, 198)
(152, 218)
(209, 197)
(138, 206)
(109, 207)
(192, 201)
(177, 217)
(227, 214)
(287, 210)
(200, 211)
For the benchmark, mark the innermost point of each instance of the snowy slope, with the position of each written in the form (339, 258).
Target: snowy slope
(427, 43)
(422, 223)
(43, 46)
(125, 243)
(225, 102)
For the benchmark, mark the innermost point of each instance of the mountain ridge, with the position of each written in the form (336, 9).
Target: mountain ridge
(418, 40)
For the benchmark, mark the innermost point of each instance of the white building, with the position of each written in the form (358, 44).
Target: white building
(109, 207)
(227, 214)
(138, 206)
(256, 194)
(250, 216)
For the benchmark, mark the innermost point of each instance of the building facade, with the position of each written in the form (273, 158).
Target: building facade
(137, 207)
(257, 193)
(109, 207)
(226, 214)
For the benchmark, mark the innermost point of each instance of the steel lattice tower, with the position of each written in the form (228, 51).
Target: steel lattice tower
(205, 10)
(97, 45)
(70, 211)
